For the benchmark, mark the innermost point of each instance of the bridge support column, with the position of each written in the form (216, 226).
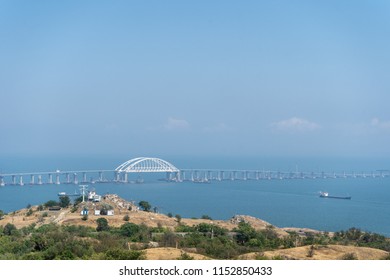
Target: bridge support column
(67, 175)
(32, 179)
(116, 175)
(125, 178)
(58, 179)
(2, 183)
(84, 177)
(75, 179)
(222, 174)
(209, 175)
(178, 176)
(39, 179)
(50, 179)
(13, 180)
(21, 180)
(234, 175)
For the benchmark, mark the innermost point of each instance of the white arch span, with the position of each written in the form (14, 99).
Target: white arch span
(145, 164)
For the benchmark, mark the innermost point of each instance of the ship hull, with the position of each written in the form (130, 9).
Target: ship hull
(337, 197)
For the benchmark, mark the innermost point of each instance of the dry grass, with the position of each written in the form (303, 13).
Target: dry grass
(170, 254)
(329, 252)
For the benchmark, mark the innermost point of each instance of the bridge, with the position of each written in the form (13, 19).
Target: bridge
(173, 174)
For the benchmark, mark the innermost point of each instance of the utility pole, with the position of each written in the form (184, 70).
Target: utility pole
(83, 189)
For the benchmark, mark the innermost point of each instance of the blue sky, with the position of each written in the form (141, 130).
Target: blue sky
(307, 78)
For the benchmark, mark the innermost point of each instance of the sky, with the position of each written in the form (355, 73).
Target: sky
(155, 78)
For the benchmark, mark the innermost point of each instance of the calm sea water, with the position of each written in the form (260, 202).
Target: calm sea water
(284, 203)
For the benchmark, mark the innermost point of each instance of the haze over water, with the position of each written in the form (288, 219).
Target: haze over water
(284, 203)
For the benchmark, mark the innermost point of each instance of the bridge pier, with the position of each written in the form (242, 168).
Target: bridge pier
(58, 179)
(209, 175)
(182, 175)
(116, 175)
(75, 179)
(67, 177)
(32, 179)
(2, 183)
(21, 180)
(13, 179)
(50, 179)
(125, 178)
(39, 179)
(84, 177)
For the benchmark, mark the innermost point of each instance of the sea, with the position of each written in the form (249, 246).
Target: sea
(283, 203)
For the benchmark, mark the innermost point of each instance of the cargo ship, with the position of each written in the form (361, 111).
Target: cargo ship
(326, 195)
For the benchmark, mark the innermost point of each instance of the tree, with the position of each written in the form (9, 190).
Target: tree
(178, 218)
(206, 217)
(145, 205)
(51, 203)
(102, 224)
(9, 229)
(245, 232)
(129, 229)
(64, 201)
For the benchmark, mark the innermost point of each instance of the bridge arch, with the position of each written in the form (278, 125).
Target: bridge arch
(146, 164)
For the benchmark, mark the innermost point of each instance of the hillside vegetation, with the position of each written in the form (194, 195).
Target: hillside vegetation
(37, 233)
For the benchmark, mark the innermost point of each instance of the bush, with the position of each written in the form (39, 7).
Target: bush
(349, 256)
(64, 201)
(51, 203)
(9, 229)
(185, 256)
(29, 212)
(126, 218)
(102, 224)
(145, 206)
(122, 254)
(206, 217)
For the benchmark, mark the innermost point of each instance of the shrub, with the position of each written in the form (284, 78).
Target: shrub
(206, 217)
(102, 224)
(29, 212)
(349, 256)
(51, 203)
(185, 256)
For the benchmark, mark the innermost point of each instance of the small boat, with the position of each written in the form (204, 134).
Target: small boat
(67, 194)
(326, 195)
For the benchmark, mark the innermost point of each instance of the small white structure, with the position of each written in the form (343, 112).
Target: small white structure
(97, 212)
(110, 212)
(84, 212)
